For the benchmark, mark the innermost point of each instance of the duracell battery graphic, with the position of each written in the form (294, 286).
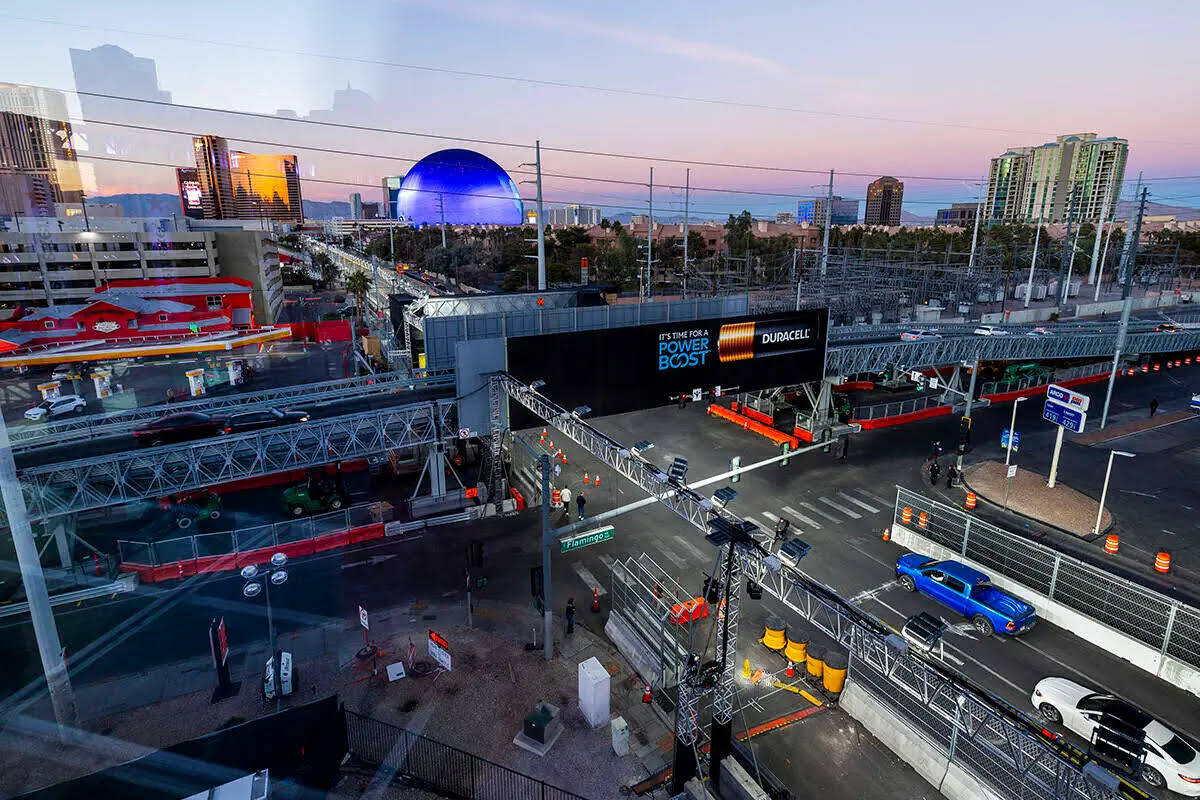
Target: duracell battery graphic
(739, 341)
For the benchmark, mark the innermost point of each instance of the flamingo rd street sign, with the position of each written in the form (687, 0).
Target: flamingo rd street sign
(586, 538)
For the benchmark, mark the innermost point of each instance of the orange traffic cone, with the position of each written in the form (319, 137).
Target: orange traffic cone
(585, 477)
(646, 698)
(597, 478)
(595, 599)
(887, 534)
(791, 669)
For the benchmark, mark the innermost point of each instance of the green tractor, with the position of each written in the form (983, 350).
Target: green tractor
(315, 495)
(194, 507)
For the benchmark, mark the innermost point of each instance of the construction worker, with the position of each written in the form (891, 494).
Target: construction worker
(570, 615)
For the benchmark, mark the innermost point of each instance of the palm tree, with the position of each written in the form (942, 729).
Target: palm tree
(357, 284)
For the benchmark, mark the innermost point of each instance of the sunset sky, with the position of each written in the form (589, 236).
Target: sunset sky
(907, 89)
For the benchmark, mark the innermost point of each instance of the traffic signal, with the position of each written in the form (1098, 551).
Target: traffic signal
(964, 434)
(536, 581)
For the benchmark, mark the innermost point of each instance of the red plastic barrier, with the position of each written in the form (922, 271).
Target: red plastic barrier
(145, 572)
(749, 424)
(855, 386)
(260, 556)
(219, 563)
(512, 490)
(902, 419)
(803, 435)
(757, 415)
(1004, 397)
(366, 532)
(293, 549)
(331, 542)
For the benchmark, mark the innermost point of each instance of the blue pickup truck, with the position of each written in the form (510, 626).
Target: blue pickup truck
(967, 591)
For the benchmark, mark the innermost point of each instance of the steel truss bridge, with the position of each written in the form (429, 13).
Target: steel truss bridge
(88, 483)
(1001, 746)
(851, 359)
(99, 426)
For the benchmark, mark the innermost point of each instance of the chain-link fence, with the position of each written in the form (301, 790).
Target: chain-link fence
(183, 548)
(421, 762)
(1135, 611)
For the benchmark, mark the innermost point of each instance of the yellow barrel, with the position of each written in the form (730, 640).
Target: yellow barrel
(834, 677)
(797, 645)
(773, 637)
(815, 660)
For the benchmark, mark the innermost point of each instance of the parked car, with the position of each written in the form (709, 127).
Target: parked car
(313, 496)
(916, 334)
(63, 404)
(1167, 327)
(181, 426)
(1195, 404)
(194, 507)
(265, 418)
(967, 591)
(990, 330)
(62, 372)
(1170, 760)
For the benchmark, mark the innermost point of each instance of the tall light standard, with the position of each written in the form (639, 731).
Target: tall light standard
(1012, 435)
(253, 589)
(1104, 491)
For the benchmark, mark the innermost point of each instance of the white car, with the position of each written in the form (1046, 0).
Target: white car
(916, 334)
(1171, 761)
(1195, 402)
(990, 330)
(64, 404)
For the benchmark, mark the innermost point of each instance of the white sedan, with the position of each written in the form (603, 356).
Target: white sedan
(990, 330)
(57, 407)
(1170, 760)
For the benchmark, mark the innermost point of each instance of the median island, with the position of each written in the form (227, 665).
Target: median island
(1028, 496)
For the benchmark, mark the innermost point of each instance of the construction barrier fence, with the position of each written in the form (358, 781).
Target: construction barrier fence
(1134, 610)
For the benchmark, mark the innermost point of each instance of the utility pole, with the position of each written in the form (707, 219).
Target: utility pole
(1067, 252)
(541, 224)
(648, 293)
(828, 225)
(975, 233)
(1100, 230)
(687, 187)
(1103, 257)
(45, 632)
(796, 277)
(958, 461)
(1127, 301)
(1037, 238)
(442, 208)
(547, 541)
(87, 226)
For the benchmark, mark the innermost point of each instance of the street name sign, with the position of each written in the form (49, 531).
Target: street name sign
(586, 538)
(1066, 397)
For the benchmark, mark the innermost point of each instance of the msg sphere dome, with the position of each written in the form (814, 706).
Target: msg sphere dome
(473, 189)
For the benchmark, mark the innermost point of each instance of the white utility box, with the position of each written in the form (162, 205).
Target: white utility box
(594, 687)
(620, 736)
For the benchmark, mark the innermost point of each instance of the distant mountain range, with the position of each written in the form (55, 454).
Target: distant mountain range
(164, 205)
(1127, 208)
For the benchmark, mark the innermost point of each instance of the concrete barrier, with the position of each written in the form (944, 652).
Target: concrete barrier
(643, 659)
(912, 747)
(736, 783)
(1140, 654)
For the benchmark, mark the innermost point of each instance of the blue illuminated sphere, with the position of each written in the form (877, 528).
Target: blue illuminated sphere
(473, 189)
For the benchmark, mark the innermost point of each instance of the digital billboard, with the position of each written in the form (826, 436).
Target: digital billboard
(190, 195)
(615, 370)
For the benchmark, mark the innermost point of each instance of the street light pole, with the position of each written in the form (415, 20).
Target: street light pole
(1033, 261)
(547, 541)
(1104, 491)
(1012, 435)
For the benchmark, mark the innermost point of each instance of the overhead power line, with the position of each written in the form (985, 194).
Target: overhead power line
(559, 84)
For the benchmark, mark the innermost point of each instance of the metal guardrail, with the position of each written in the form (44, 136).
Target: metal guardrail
(421, 762)
(100, 425)
(100, 481)
(1133, 610)
(200, 545)
(1053, 376)
(881, 410)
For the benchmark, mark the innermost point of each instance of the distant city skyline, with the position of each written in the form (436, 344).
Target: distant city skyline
(953, 131)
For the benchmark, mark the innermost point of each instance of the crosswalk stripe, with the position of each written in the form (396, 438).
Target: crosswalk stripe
(608, 560)
(824, 514)
(691, 548)
(587, 576)
(756, 522)
(874, 497)
(770, 516)
(675, 558)
(849, 513)
(801, 517)
(871, 509)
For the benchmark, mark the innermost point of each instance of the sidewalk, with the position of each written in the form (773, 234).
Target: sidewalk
(1146, 423)
(1026, 494)
(478, 707)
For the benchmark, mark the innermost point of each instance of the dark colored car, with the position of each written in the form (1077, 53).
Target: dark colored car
(265, 418)
(180, 427)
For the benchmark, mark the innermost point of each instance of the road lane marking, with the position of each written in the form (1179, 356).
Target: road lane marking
(691, 548)
(674, 557)
(756, 522)
(800, 517)
(870, 508)
(587, 576)
(770, 516)
(841, 508)
(874, 497)
(870, 594)
(827, 516)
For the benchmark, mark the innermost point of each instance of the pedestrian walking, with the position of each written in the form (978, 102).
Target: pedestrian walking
(570, 615)
(565, 494)
(951, 474)
(1153, 406)
(935, 450)
(579, 501)
(781, 529)
(934, 471)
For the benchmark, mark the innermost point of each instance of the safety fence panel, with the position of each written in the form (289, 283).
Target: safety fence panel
(1134, 610)
(423, 762)
(882, 410)
(1054, 376)
(243, 540)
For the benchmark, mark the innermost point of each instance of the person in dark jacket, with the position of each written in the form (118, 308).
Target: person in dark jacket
(570, 615)
(579, 501)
